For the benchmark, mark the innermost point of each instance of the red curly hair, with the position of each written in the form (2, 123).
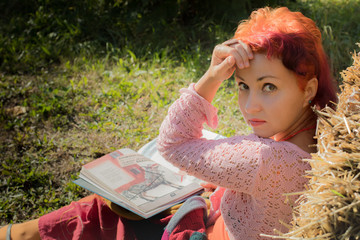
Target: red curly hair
(296, 40)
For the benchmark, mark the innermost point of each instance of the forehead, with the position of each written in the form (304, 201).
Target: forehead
(261, 66)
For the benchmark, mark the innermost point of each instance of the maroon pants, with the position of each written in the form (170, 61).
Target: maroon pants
(91, 218)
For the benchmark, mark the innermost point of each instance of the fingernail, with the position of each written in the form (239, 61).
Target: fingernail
(247, 64)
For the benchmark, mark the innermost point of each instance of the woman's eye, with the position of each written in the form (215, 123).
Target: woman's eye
(268, 87)
(243, 86)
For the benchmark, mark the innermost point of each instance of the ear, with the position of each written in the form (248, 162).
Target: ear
(310, 91)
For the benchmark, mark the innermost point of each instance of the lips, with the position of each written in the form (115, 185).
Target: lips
(254, 122)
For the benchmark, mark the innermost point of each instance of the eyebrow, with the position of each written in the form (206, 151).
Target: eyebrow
(260, 78)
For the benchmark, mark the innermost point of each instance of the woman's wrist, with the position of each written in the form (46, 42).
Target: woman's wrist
(207, 87)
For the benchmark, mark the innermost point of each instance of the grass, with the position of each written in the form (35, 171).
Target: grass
(76, 112)
(65, 110)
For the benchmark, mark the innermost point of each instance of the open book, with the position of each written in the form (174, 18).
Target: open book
(141, 182)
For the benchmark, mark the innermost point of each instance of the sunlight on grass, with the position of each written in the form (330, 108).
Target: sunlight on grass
(84, 109)
(59, 111)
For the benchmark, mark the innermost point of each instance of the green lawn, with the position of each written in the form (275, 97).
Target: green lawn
(60, 109)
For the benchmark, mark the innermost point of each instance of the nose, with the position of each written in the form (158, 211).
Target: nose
(253, 104)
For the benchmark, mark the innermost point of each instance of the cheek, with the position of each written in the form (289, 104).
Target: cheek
(284, 110)
(275, 108)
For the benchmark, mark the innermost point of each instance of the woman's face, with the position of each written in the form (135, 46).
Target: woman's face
(269, 96)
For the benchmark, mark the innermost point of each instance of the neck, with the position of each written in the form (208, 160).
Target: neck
(301, 133)
(298, 132)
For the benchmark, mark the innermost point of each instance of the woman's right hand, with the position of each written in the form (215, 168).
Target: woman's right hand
(225, 58)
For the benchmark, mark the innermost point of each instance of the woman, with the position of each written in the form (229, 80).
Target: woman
(282, 71)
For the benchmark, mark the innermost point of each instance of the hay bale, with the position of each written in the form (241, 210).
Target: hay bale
(330, 207)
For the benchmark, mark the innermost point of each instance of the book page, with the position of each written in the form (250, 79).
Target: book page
(138, 180)
(111, 175)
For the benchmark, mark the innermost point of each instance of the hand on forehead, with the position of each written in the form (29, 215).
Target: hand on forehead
(240, 51)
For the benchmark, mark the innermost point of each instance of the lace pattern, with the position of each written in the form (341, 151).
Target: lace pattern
(255, 171)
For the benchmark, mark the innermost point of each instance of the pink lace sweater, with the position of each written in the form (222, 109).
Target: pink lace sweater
(255, 172)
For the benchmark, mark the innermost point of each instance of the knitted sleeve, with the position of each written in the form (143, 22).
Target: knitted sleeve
(255, 171)
(233, 163)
